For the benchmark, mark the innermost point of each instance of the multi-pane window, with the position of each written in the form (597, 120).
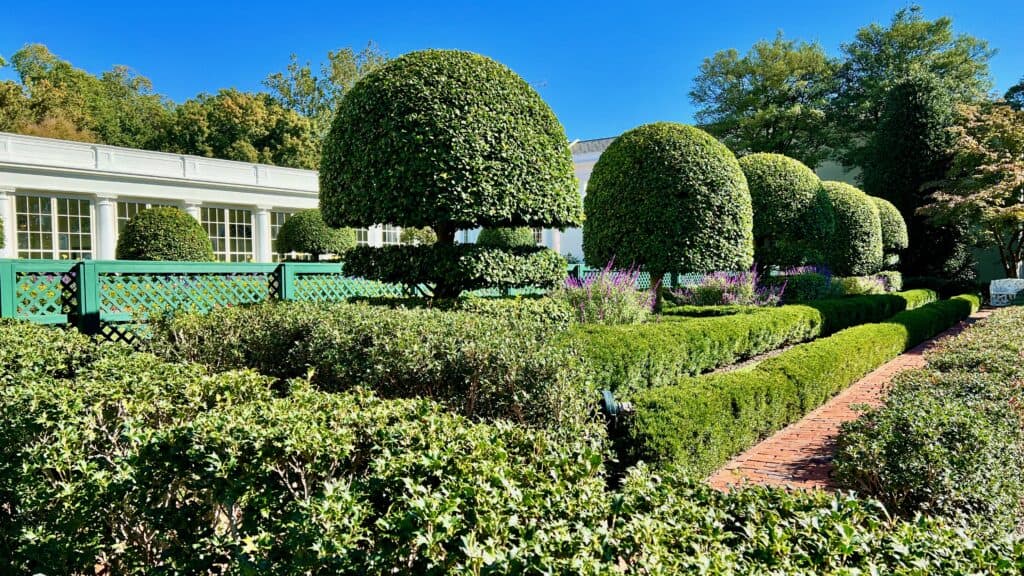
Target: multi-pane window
(362, 237)
(277, 219)
(390, 235)
(230, 231)
(127, 210)
(53, 228)
(538, 235)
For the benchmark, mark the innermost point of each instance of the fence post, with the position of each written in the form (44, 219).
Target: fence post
(8, 289)
(87, 309)
(285, 282)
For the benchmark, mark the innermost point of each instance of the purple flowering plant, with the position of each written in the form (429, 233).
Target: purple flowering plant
(609, 296)
(730, 288)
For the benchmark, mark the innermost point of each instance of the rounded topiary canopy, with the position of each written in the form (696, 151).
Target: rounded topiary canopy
(307, 233)
(894, 230)
(506, 237)
(447, 139)
(166, 234)
(783, 192)
(856, 244)
(671, 198)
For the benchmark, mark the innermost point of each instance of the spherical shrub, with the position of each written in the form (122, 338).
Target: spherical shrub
(894, 230)
(506, 237)
(307, 233)
(783, 192)
(164, 233)
(670, 198)
(856, 245)
(418, 236)
(447, 139)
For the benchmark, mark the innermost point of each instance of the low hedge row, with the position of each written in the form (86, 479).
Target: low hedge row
(949, 439)
(490, 361)
(699, 423)
(635, 357)
(120, 463)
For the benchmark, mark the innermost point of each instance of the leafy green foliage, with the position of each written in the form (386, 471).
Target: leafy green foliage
(418, 236)
(305, 232)
(857, 241)
(788, 227)
(609, 297)
(670, 198)
(164, 233)
(894, 231)
(697, 424)
(803, 287)
(458, 267)
(948, 439)
(3, 235)
(629, 358)
(495, 365)
(447, 139)
(506, 237)
(1015, 96)
(771, 99)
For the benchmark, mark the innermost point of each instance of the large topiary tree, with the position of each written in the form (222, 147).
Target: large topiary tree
(307, 233)
(164, 233)
(670, 198)
(856, 244)
(788, 216)
(451, 140)
(894, 232)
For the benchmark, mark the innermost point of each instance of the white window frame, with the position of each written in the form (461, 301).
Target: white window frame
(55, 233)
(362, 236)
(394, 231)
(538, 236)
(275, 228)
(228, 254)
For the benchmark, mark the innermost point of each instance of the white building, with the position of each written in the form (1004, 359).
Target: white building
(68, 200)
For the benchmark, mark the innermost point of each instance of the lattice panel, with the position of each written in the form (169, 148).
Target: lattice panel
(45, 294)
(337, 287)
(144, 294)
(643, 280)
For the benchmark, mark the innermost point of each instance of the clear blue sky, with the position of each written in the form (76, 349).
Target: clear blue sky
(604, 67)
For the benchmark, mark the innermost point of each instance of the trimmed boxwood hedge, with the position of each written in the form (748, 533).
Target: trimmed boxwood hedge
(670, 198)
(856, 242)
(306, 232)
(699, 423)
(629, 358)
(787, 226)
(164, 233)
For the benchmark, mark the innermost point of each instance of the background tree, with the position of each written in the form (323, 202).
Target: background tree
(164, 233)
(305, 232)
(394, 155)
(316, 95)
(881, 56)
(771, 99)
(985, 184)
(1015, 95)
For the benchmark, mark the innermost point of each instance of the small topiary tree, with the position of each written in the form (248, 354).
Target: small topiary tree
(856, 244)
(894, 232)
(307, 233)
(165, 234)
(787, 220)
(506, 237)
(670, 198)
(450, 140)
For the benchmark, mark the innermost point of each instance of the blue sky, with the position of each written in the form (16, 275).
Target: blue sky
(604, 67)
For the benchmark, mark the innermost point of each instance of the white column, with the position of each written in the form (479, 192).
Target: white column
(10, 249)
(193, 209)
(106, 228)
(375, 236)
(555, 240)
(262, 242)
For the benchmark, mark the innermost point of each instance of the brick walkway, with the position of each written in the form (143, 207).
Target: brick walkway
(800, 455)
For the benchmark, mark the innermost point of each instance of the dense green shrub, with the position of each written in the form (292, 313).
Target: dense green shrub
(894, 231)
(305, 232)
(784, 193)
(394, 154)
(459, 267)
(480, 365)
(697, 424)
(552, 311)
(949, 438)
(856, 244)
(670, 198)
(802, 287)
(164, 233)
(418, 236)
(506, 237)
(635, 357)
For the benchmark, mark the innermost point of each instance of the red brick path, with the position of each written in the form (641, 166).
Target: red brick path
(800, 455)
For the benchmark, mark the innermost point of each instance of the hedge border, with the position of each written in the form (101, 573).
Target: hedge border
(699, 423)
